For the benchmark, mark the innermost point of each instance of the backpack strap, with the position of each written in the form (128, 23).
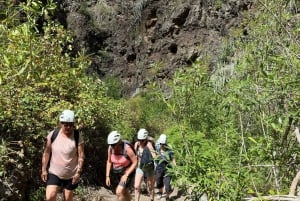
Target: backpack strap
(55, 134)
(76, 137)
(123, 150)
(125, 142)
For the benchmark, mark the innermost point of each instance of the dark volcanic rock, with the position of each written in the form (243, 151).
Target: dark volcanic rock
(147, 40)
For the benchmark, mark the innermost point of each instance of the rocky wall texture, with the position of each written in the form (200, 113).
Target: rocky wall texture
(140, 41)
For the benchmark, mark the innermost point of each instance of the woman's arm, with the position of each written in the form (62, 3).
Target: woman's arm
(136, 145)
(108, 167)
(108, 162)
(151, 148)
(133, 158)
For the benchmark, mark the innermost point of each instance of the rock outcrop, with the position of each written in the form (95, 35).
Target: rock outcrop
(141, 41)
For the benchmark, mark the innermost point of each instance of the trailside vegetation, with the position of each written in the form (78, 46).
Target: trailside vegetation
(39, 77)
(235, 126)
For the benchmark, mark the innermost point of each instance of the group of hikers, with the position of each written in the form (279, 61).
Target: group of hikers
(127, 164)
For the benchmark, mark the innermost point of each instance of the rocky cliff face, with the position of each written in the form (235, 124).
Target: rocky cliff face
(140, 41)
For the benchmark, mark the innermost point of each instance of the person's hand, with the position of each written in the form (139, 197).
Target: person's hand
(108, 181)
(124, 179)
(76, 178)
(44, 175)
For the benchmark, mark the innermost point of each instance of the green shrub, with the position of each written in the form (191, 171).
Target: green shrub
(39, 78)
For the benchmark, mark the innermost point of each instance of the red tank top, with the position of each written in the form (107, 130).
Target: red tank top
(120, 159)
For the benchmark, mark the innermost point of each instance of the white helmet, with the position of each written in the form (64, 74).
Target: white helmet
(162, 139)
(67, 116)
(113, 137)
(142, 134)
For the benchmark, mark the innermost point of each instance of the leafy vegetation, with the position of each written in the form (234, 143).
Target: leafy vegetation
(241, 141)
(231, 129)
(39, 78)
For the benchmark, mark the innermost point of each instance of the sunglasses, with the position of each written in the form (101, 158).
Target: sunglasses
(142, 141)
(162, 144)
(113, 145)
(67, 124)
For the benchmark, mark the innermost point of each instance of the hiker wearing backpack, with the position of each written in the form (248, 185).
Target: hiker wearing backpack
(165, 160)
(145, 154)
(64, 154)
(120, 165)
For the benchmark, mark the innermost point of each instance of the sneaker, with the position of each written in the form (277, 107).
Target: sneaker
(159, 195)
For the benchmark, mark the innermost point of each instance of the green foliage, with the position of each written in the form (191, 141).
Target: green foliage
(231, 129)
(264, 91)
(150, 112)
(235, 126)
(114, 87)
(39, 194)
(100, 14)
(39, 78)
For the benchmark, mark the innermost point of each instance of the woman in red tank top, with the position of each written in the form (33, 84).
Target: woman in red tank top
(120, 166)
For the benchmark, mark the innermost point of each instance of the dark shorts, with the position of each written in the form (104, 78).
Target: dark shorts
(115, 181)
(64, 183)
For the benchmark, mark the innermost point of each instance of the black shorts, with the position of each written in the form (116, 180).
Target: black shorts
(116, 178)
(64, 183)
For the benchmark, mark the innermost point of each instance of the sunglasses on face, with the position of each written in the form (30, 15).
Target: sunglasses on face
(113, 145)
(162, 144)
(67, 124)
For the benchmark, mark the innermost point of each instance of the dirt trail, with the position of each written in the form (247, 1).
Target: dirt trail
(102, 194)
(105, 195)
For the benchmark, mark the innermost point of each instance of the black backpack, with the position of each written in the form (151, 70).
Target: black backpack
(147, 162)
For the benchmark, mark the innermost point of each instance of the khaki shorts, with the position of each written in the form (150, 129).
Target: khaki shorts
(146, 174)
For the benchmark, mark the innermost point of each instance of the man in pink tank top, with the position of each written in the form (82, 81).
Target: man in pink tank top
(65, 152)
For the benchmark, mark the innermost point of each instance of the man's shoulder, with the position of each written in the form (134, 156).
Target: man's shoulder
(54, 133)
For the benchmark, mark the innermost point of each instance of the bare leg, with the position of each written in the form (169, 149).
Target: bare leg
(68, 195)
(123, 194)
(137, 186)
(150, 184)
(159, 193)
(51, 192)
